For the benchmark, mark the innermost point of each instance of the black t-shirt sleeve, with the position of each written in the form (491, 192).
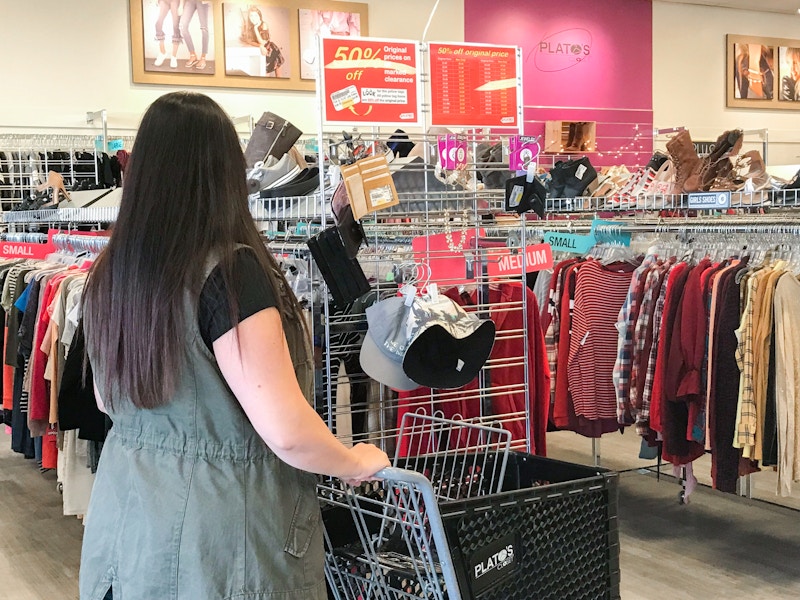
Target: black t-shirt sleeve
(253, 294)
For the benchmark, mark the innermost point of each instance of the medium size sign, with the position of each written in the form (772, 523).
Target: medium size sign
(370, 81)
(508, 263)
(710, 200)
(475, 85)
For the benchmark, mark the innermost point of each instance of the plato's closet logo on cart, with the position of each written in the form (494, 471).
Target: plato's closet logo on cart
(563, 50)
(494, 562)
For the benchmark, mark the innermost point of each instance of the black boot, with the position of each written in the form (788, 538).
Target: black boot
(557, 181)
(578, 176)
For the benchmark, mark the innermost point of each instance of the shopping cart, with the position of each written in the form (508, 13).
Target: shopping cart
(460, 516)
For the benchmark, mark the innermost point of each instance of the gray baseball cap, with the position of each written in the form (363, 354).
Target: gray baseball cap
(433, 343)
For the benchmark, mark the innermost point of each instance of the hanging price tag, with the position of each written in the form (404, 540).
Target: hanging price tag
(522, 150)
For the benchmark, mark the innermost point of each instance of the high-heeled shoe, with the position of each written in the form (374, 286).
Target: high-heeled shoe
(55, 181)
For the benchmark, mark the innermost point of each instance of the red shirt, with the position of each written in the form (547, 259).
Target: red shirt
(39, 402)
(509, 392)
(677, 279)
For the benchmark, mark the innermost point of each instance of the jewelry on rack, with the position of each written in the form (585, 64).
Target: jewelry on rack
(448, 233)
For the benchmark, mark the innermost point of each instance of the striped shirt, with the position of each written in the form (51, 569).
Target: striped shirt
(599, 295)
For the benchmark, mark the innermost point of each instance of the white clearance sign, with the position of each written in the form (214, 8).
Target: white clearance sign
(508, 262)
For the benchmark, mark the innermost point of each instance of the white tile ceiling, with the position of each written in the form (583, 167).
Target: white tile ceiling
(778, 6)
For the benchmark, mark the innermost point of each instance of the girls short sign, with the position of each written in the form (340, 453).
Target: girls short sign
(475, 85)
(370, 81)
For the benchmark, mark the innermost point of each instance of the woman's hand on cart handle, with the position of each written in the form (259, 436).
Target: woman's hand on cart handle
(370, 459)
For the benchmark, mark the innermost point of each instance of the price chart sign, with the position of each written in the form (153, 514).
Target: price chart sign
(474, 86)
(370, 81)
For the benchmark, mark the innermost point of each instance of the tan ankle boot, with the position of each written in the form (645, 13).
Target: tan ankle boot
(685, 160)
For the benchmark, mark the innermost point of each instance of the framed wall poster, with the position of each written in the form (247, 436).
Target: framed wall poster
(763, 73)
(323, 23)
(789, 72)
(257, 40)
(237, 44)
(178, 36)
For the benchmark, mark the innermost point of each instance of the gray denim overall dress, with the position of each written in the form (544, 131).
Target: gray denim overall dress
(189, 503)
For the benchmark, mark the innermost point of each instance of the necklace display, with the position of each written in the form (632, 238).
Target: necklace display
(448, 234)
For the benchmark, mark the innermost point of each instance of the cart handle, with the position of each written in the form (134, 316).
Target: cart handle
(423, 484)
(402, 476)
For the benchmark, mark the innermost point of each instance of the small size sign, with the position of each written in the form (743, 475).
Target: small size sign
(569, 242)
(710, 200)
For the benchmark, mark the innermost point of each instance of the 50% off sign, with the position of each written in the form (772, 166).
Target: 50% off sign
(370, 81)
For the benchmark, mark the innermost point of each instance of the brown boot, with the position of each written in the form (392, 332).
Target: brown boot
(717, 164)
(686, 162)
(756, 171)
(572, 146)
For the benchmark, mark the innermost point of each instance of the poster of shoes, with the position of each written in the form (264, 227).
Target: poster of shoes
(322, 23)
(257, 40)
(178, 36)
(236, 43)
(789, 71)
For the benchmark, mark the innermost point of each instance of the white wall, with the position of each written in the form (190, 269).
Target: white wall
(60, 59)
(689, 64)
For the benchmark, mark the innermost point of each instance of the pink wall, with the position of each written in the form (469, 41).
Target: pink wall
(586, 54)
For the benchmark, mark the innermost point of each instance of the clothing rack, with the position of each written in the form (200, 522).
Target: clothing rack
(780, 231)
(80, 244)
(25, 238)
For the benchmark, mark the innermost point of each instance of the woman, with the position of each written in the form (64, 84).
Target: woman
(171, 7)
(201, 357)
(190, 7)
(255, 32)
(790, 83)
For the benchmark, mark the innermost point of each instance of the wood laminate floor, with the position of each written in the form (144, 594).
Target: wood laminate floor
(718, 546)
(40, 548)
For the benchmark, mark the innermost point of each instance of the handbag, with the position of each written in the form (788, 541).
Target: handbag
(350, 230)
(345, 279)
(272, 136)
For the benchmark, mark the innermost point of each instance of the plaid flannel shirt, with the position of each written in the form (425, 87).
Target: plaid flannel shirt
(746, 412)
(625, 327)
(640, 332)
(643, 415)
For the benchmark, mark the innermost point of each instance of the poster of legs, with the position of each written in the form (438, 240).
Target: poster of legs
(790, 74)
(322, 22)
(257, 40)
(178, 36)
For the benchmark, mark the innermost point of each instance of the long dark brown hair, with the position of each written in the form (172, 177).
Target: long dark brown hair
(248, 36)
(184, 198)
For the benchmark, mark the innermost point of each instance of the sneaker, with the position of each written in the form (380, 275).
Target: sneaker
(266, 175)
(160, 59)
(173, 63)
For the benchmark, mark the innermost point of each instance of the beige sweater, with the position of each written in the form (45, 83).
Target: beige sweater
(787, 379)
